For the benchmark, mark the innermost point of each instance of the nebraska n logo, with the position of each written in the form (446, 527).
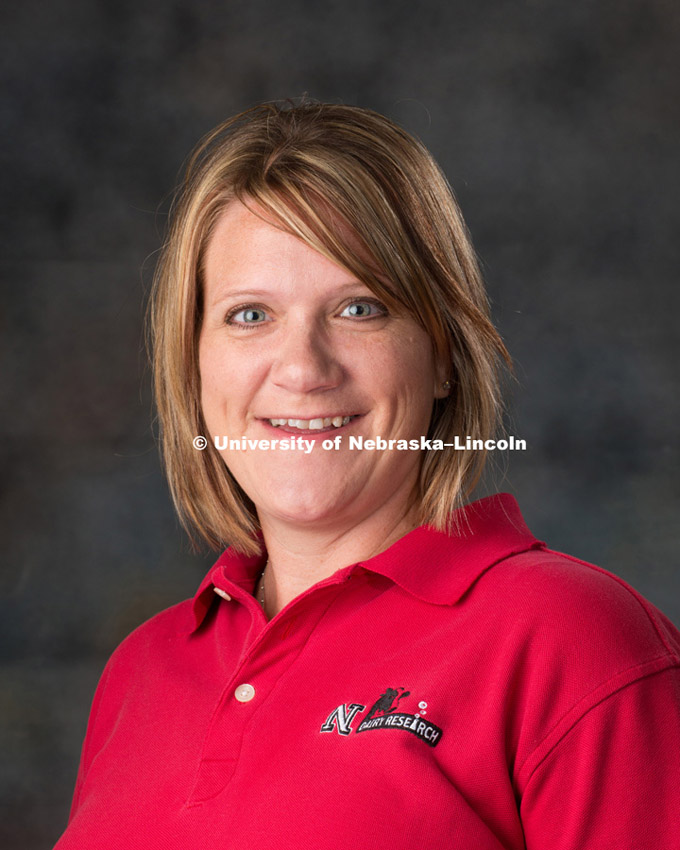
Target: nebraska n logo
(342, 717)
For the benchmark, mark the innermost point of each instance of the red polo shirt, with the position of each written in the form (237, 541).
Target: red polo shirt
(471, 691)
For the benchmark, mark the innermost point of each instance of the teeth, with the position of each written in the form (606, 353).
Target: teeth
(312, 424)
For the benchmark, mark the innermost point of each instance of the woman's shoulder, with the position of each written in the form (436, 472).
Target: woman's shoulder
(155, 638)
(573, 633)
(143, 654)
(584, 650)
(568, 597)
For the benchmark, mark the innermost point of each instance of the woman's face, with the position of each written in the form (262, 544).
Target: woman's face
(293, 348)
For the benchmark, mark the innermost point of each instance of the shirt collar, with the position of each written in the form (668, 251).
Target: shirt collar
(439, 568)
(431, 565)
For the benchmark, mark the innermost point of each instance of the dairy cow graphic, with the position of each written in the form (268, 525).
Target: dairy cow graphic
(387, 702)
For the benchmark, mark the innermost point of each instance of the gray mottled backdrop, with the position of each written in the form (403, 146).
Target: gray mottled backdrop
(557, 124)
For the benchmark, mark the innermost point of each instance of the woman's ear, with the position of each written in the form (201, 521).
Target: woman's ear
(442, 380)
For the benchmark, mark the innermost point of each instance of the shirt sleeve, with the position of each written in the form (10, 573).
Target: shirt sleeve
(612, 782)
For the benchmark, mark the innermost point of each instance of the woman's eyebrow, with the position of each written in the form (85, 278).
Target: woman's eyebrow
(256, 291)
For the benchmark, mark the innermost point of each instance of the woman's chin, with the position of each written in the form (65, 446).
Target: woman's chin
(305, 505)
(311, 497)
(319, 513)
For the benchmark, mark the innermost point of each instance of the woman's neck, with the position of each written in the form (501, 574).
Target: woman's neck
(299, 556)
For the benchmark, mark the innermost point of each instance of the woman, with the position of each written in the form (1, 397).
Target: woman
(364, 666)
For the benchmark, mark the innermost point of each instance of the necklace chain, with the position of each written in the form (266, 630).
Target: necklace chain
(261, 598)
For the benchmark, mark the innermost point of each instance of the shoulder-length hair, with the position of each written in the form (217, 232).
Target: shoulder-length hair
(308, 167)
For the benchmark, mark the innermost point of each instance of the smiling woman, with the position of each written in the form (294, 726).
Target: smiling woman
(318, 292)
(306, 185)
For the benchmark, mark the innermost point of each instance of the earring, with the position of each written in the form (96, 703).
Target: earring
(446, 385)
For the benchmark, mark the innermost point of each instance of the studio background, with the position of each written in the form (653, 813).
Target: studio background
(557, 125)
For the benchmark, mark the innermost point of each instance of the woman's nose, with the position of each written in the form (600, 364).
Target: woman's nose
(304, 361)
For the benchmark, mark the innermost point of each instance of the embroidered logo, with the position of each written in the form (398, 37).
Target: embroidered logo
(383, 714)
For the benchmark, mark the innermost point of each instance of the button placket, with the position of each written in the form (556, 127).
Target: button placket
(224, 741)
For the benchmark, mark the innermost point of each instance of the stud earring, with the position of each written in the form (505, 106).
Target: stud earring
(446, 385)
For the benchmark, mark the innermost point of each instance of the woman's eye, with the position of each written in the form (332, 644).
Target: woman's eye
(363, 310)
(247, 316)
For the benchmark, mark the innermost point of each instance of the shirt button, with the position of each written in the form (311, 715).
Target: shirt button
(244, 693)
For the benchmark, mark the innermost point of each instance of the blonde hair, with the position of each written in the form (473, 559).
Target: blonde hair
(311, 167)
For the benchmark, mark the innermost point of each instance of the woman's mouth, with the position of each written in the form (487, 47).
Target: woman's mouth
(316, 425)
